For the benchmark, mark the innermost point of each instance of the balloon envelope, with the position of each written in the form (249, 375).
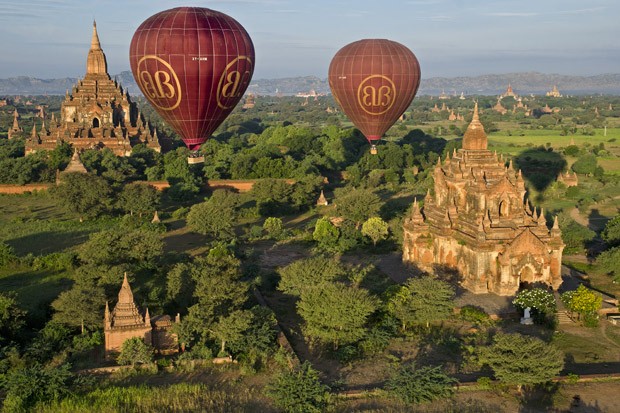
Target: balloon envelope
(193, 64)
(374, 81)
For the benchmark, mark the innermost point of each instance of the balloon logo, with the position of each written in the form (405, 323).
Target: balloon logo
(193, 64)
(374, 81)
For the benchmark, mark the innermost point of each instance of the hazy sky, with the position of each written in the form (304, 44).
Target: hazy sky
(50, 38)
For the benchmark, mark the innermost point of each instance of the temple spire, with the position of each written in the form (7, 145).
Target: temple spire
(96, 62)
(475, 138)
(94, 43)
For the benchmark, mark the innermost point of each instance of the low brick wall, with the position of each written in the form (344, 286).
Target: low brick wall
(240, 185)
(21, 189)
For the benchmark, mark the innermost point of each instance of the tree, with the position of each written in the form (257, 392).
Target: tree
(376, 229)
(231, 328)
(273, 227)
(537, 298)
(12, 318)
(609, 262)
(336, 313)
(582, 300)
(358, 205)
(208, 218)
(307, 273)
(25, 387)
(522, 360)
(116, 246)
(80, 306)
(611, 233)
(85, 194)
(574, 235)
(135, 351)
(419, 385)
(179, 284)
(421, 301)
(7, 255)
(586, 164)
(139, 198)
(325, 233)
(299, 391)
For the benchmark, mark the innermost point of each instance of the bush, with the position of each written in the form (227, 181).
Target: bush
(419, 385)
(273, 227)
(180, 213)
(55, 261)
(7, 255)
(135, 351)
(299, 391)
(474, 314)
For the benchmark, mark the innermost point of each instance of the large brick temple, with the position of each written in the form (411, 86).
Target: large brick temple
(96, 114)
(479, 222)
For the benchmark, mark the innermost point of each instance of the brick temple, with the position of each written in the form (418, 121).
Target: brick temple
(97, 114)
(479, 222)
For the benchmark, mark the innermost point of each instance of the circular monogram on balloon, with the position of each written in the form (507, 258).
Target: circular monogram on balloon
(376, 94)
(234, 81)
(159, 82)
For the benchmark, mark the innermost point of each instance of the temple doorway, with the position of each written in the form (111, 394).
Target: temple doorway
(95, 123)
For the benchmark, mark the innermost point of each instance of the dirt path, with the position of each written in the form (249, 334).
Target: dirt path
(576, 215)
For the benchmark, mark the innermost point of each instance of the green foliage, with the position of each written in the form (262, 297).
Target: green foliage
(209, 218)
(274, 228)
(180, 285)
(376, 229)
(116, 246)
(586, 164)
(538, 298)
(522, 360)
(231, 328)
(358, 205)
(571, 150)
(80, 306)
(306, 273)
(574, 235)
(609, 262)
(474, 314)
(135, 351)
(299, 391)
(12, 318)
(336, 313)
(30, 385)
(7, 255)
(611, 233)
(272, 196)
(420, 301)
(420, 385)
(325, 234)
(139, 198)
(582, 300)
(85, 194)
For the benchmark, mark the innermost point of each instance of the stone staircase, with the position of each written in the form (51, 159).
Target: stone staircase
(563, 318)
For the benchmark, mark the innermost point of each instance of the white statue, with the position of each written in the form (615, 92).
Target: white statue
(527, 319)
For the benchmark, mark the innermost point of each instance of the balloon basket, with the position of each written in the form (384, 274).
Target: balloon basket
(373, 150)
(194, 160)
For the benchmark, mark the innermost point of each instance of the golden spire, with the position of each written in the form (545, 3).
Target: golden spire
(96, 62)
(475, 138)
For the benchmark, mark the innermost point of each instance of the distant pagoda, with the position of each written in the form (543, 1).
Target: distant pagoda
(479, 222)
(97, 114)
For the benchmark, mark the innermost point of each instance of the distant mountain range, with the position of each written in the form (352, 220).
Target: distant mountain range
(522, 83)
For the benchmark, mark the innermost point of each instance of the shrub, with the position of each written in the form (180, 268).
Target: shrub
(135, 351)
(419, 385)
(474, 314)
(299, 391)
(7, 255)
(180, 213)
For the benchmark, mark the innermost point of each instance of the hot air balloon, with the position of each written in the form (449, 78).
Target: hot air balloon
(374, 81)
(193, 64)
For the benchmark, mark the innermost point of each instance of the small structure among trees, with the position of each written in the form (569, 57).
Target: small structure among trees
(126, 322)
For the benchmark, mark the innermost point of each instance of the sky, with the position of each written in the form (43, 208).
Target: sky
(451, 38)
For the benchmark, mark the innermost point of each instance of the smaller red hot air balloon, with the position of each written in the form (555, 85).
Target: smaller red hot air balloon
(374, 82)
(193, 64)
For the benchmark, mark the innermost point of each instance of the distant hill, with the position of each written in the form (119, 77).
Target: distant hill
(522, 83)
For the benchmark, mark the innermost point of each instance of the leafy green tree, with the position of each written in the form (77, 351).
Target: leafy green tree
(139, 198)
(84, 194)
(419, 385)
(376, 229)
(273, 227)
(325, 234)
(358, 205)
(80, 306)
(272, 196)
(25, 387)
(180, 285)
(307, 273)
(586, 164)
(116, 246)
(421, 301)
(609, 262)
(183, 179)
(208, 218)
(299, 391)
(611, 233)
(574, 235)
(135, 351)
(522, 360)
(7, 255)
(231, 328)
(336, 313)
(12, 318)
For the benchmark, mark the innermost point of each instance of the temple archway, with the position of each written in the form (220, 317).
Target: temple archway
(503, 208)
(96, 123)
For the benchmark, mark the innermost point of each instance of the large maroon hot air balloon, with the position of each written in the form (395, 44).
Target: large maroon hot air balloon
(193, 64)
(374, 81)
